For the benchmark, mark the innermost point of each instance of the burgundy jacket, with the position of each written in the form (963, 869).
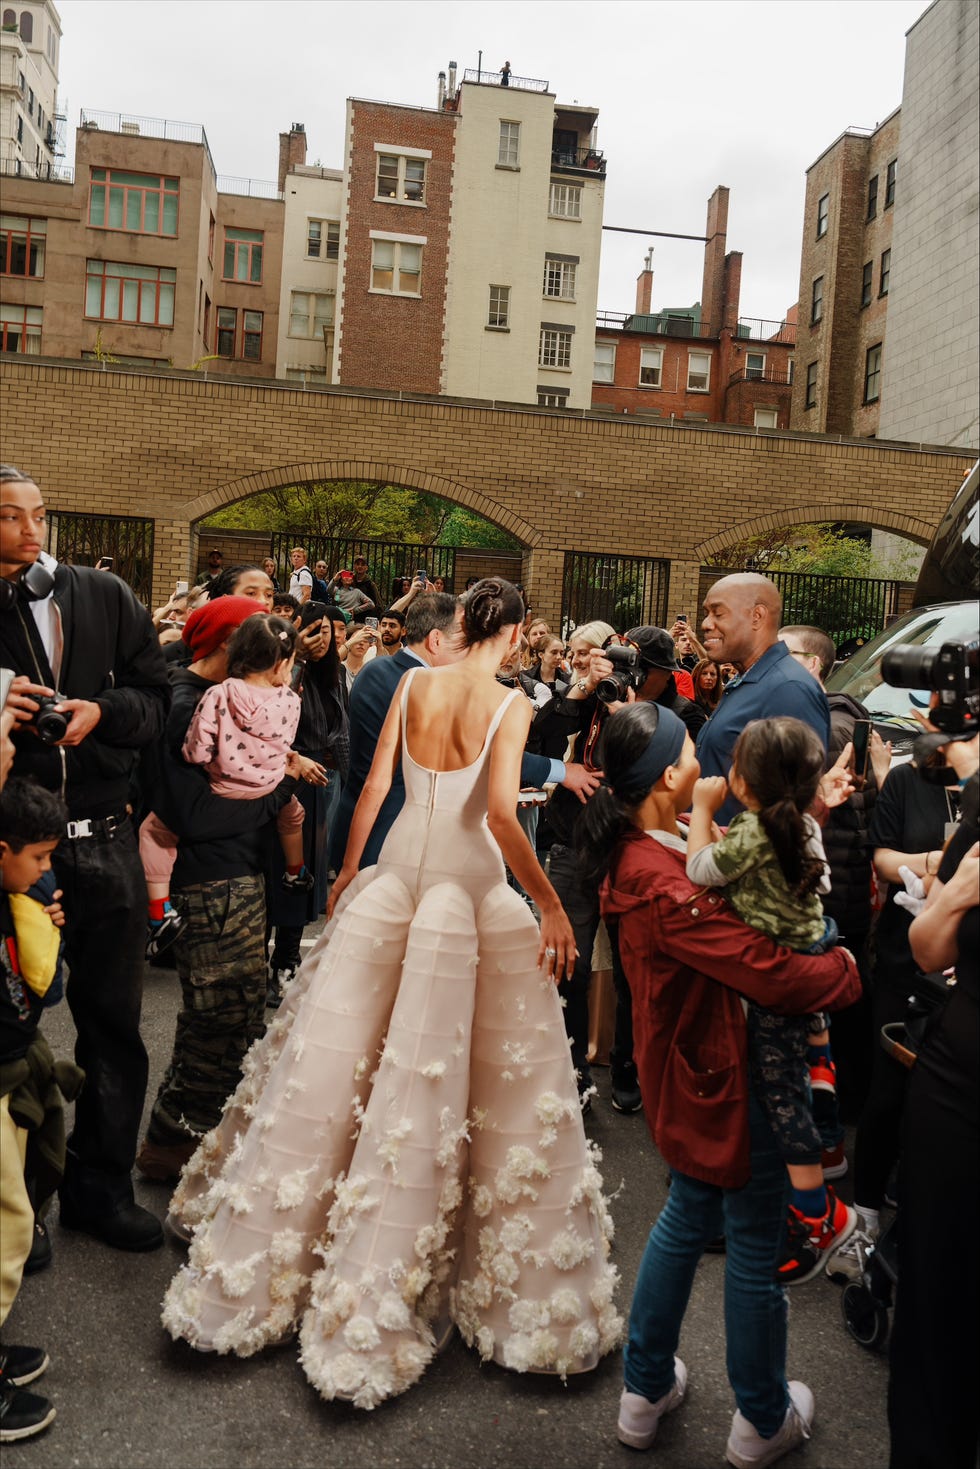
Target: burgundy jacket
(689, 958)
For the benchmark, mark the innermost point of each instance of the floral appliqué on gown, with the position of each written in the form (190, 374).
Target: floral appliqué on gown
(405, 1151)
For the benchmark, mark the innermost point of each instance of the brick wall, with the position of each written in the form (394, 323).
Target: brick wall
(385, 337)
(176, 448)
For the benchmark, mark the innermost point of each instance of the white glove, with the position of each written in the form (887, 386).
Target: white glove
(914, 896)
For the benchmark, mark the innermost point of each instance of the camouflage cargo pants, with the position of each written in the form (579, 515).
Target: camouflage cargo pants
(221, 961)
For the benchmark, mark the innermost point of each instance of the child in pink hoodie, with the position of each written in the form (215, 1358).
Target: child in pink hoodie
(242, 732)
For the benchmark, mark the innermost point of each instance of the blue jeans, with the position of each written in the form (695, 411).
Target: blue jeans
(752, 1219)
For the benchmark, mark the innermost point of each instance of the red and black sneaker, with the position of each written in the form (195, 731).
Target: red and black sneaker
(810, 1242)
(823, 1075)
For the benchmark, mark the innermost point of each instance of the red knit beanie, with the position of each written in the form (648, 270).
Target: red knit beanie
(211, 625)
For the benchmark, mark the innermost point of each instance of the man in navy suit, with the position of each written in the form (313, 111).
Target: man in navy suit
(433, 638)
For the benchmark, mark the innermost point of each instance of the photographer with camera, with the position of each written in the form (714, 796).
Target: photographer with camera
(935, 1360)
(914, 817)
(639, 667)
(84, 633)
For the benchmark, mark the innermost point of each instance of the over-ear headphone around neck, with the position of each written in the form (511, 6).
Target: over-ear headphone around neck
(32, 584)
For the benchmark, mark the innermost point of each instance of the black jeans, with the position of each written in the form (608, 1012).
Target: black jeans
(105, 933)
(580, 899)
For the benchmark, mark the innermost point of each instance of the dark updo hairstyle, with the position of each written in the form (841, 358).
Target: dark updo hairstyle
(608, 814)
(781, 761)
(260, 644)
(490, 606)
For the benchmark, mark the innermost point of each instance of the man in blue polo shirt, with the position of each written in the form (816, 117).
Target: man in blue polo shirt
(740, 626)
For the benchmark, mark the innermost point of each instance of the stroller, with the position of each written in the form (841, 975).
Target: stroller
(866, 1303)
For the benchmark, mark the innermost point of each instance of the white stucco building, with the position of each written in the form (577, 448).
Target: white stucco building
(310, 258)
(30, 40)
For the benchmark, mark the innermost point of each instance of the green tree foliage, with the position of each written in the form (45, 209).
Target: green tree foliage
(369, 509)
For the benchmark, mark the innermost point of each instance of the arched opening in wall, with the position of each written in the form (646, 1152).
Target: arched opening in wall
(847, 577)
(396, 528)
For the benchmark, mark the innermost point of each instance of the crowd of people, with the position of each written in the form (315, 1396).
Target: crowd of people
(481, 804)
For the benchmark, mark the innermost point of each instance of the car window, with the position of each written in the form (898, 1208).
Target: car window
(861, 677)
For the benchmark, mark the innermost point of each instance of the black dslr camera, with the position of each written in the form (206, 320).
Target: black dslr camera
(49, 723)
(628, 673)
(950, 671)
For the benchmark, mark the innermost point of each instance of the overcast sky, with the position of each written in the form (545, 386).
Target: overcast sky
(692, 93)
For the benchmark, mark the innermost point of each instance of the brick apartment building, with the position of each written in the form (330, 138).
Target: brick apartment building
(889, 298)
(456, 252)
(845, 280)
(703, 363)
(139, 256)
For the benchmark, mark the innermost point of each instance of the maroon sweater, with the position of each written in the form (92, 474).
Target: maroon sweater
(689, 958)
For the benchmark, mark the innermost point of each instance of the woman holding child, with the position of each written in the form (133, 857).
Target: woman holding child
(689, 961)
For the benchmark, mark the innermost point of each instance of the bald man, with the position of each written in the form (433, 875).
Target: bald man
(740, 626)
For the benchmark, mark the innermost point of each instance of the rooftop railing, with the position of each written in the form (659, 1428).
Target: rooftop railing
(663, 324)
(253, 188)
(134, 126)
(494, 79)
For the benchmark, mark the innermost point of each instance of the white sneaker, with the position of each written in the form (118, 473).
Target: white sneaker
(639, 1419)
(747, 1449)
(847, 1263)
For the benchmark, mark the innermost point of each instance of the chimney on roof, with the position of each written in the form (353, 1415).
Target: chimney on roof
(452, 81)
(441, 91)
(644, 286)
(713, 280)
(292, 151)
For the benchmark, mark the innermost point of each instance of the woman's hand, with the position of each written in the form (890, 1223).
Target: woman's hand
(962, 892)
(308, 770)
(343, 880)
(837, 783)
(556, 951)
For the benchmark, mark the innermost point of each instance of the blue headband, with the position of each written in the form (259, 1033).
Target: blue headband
(666, 744)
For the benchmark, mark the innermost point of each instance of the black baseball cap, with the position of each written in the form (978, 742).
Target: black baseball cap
(656, 647)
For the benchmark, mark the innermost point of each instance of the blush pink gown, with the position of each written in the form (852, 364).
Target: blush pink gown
(405, 1151)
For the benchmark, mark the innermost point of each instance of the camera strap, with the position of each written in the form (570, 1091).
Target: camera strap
(35, 645)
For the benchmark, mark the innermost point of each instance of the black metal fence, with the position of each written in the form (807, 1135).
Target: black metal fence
(387, 560)
(626, 591)
(849, 609)
(81, 540)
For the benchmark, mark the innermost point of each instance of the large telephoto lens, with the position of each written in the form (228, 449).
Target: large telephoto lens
(909, 667)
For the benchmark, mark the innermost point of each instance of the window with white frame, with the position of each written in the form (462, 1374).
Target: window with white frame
(323, 239)
(604, 363)
(401, 177)
(559, 277)
(651, 366)
(509, 144)
(766, 418)
(755, 366)
(396, 267)
(552, 397)
(309, 313)
(565, 201)
(498, 311)
(555, 347)
(698, 372)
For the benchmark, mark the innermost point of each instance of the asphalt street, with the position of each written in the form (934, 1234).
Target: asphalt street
(130, 1398)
